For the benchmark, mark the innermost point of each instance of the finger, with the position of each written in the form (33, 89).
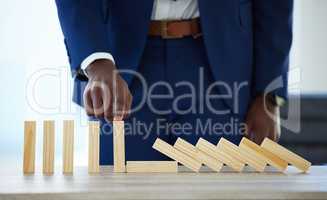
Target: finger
(97, 100)
(260, 134)
(88, 105)
(128, 105)
(119, 105)
(107, 104)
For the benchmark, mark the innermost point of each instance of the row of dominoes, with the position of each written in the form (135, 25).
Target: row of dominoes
(49, 147)
(236, 157)
(193, 157)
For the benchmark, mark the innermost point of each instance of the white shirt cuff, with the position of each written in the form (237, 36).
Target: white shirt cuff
(96, 56)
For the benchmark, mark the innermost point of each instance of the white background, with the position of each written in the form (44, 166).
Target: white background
(31, 40)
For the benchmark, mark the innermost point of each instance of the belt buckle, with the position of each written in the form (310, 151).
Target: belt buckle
(164, 31)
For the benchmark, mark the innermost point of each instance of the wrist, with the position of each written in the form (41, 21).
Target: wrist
(101, 66)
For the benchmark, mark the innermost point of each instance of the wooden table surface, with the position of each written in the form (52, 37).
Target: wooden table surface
(182, 185)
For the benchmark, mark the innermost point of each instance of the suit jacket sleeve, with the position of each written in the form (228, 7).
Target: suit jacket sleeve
(272, 43)
(83, 23)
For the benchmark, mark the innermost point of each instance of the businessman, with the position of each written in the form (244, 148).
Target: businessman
(179, 68)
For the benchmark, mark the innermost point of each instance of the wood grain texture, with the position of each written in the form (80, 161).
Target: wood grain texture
(186, 148)
(233, 150)
(68, 146)
(286, 155)
(29, 147)
(119, 146)
(213, 151)
(151, 166)
(209, 161)
(94, 146)
(183, 185)
(175, 154)
(198, 155)
(48, 147)
(262, 154)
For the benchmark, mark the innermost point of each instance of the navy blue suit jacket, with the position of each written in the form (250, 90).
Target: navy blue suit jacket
(246, 40)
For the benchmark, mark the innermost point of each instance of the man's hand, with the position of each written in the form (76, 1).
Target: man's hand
(262, 121)
(106, 94)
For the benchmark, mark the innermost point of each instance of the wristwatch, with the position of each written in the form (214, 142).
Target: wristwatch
(276, 100)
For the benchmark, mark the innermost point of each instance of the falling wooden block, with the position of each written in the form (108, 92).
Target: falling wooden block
(175, 154)
(29, 147)
(151, 166)
(48, 147)
(221, 156)
(68, 146)
(119, 146)
(94, 140)
(262, 154)
(286, 155)
(244, 157)
(186, 148)
(197, 154)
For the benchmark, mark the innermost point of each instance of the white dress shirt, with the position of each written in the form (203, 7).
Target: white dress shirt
(162, 10)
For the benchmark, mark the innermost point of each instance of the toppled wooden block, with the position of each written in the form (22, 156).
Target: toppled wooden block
(244, 157)
(29, 147)
(68, 146)
(94, 145)
(119, 146)
(186, 147)
(262, 154)
(175, 154)
(286, 155)
(197, 154)
(48, 147)
(213, 151)
(151, 166)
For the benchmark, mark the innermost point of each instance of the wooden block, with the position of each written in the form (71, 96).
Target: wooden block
(119, 146)
(244, 157)
(209, 161)
(29, 147)
(152, 166)
(94, 140)
(186, 148)
(221, 156)
(175, 154)
(262, 154)
(68, 147)
(198, 155)
(286, 155)
(48, 147)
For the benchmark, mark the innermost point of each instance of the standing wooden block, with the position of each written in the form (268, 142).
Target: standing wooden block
(262, 154)
(175, 154)
(213, 151)
(119, 146)
(68, 147)
(29, 147)
(286, 155)
(151, 166)
(197, 154)
(94, 145)
(48, 147)
(233, 150)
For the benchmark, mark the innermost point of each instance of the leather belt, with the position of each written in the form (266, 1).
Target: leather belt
(175, 29)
